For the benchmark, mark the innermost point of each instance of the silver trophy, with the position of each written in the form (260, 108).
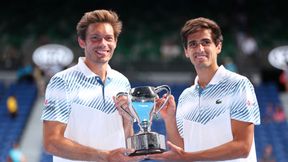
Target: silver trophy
(142, 106)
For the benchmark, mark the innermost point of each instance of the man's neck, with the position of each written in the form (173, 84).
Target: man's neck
(205, 75)
(98, 69)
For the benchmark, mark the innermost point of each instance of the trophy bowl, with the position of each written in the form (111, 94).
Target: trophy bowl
(142, 105)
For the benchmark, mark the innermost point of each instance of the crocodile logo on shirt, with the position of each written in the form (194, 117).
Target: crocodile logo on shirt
(218, 101)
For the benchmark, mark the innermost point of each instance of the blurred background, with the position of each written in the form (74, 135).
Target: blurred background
(149, 52)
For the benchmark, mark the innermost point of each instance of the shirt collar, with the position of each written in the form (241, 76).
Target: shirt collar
(88, 72)
(218, 76)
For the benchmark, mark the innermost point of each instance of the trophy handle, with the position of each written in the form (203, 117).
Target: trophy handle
(168, 92)
(127, 95)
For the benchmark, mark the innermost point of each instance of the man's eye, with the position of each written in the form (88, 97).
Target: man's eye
(206, 42)
(95, 38)
(109, 39)
(193, 44)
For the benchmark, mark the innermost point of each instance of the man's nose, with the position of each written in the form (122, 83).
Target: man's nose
(103, 41)
(199, 47)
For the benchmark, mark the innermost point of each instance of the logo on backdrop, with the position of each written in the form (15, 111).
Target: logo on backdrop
(52, 57)
(278, 57)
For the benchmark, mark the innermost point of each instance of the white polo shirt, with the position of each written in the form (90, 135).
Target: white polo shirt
(204, 115)
(78, 98)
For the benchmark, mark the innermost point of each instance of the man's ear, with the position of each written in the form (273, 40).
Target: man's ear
(116, 40)
(81, 42)
(186, 53)
(219, 47)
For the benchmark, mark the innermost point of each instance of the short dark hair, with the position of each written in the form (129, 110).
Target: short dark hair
(193, 25)
(99, 16)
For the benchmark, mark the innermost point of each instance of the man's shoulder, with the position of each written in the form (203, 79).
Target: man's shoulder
(187, 91)
(69, 73)
(235, 77)
(117, 74)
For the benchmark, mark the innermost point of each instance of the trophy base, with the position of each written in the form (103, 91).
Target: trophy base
(146, 143)
(145, 152)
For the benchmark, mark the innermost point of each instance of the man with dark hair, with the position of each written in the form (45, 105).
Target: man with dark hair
(216, 116)
(81, 122)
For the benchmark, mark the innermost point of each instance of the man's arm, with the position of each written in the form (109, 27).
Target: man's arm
(168, 114)
(122, 105)
(239, 147)
(128, 127)
(56, 144)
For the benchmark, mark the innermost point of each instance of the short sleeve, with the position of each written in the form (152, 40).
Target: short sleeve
(245, 106)
(56, 104)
